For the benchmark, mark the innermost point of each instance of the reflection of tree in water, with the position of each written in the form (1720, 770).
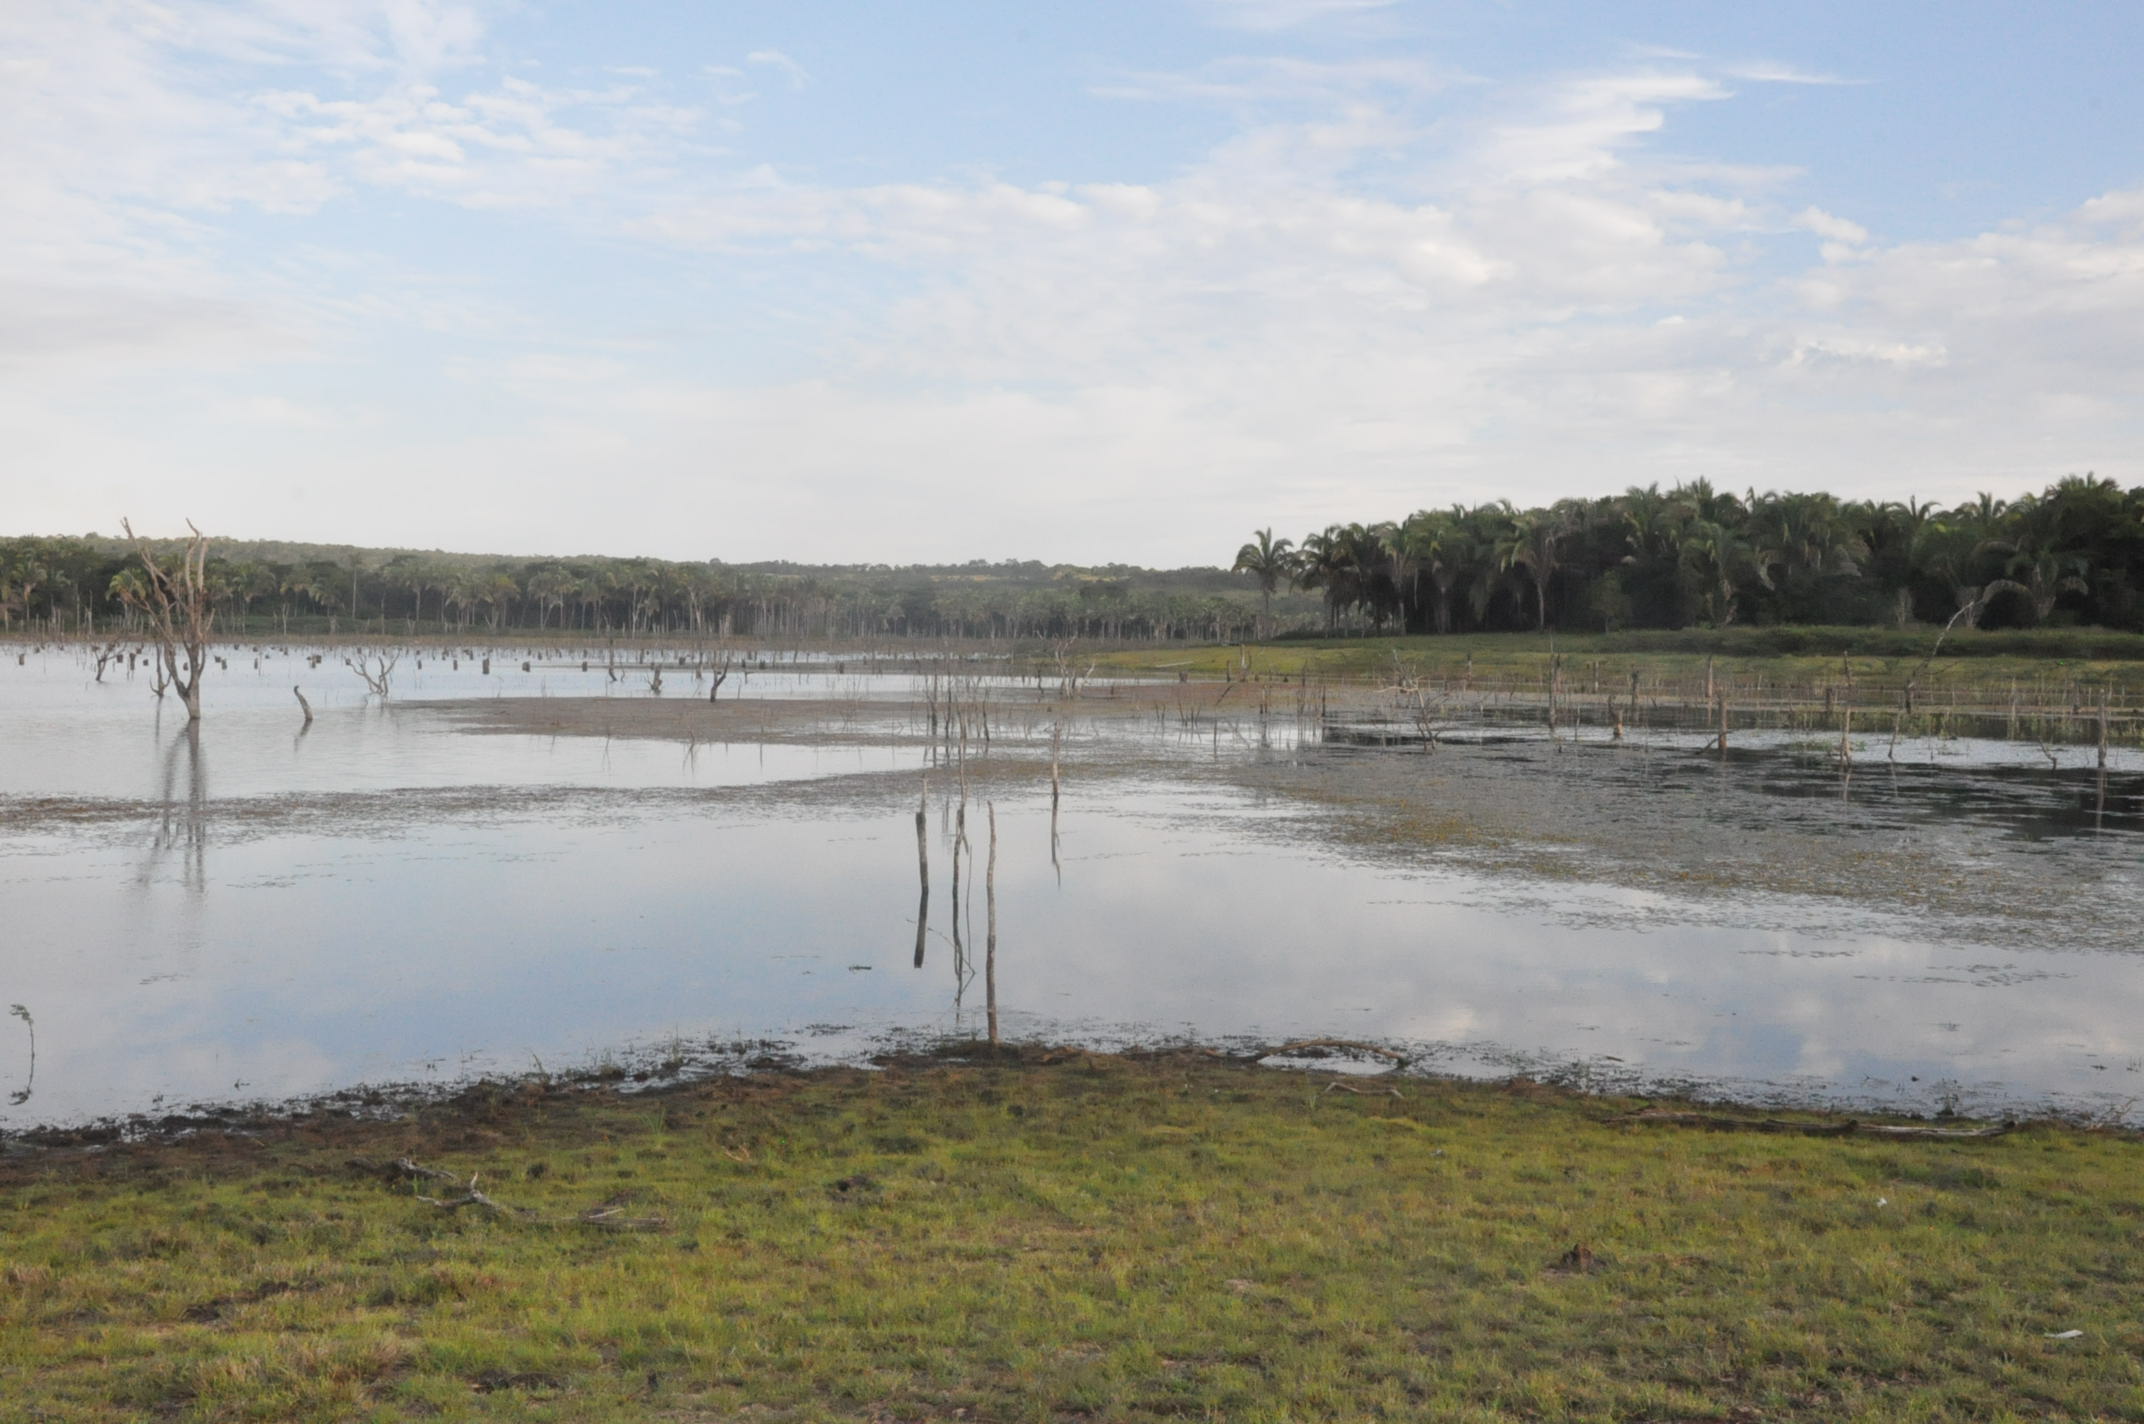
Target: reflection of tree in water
(182, 824)
(29, 1082)
(963, 964)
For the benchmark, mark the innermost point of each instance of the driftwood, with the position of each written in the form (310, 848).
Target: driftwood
(399, 1170)
(1713, 1122)
(603, 1215)
(472, 1197)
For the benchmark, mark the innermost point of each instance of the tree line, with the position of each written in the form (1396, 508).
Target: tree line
(1694, 555)
(1689, 556)
(93, 584)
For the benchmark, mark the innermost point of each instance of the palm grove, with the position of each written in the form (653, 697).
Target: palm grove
(1695, 555)
(1688, 556)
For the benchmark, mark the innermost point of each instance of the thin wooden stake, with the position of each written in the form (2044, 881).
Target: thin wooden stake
(923, 870)
(990, 918)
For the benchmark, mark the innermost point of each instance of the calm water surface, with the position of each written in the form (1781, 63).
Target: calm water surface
(178, 950)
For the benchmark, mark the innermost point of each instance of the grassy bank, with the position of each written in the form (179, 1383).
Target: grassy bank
(1091, 1238)
(2093, 655)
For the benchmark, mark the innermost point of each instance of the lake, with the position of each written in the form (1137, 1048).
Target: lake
(492, 874)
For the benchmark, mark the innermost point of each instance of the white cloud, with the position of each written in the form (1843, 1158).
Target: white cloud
(1351, 350)
(1249, 79)
(1413, 290)
(1831, 227)
(1580, 130)
(517, 144)
(1286, 14)
(1767, 72)
(782, 64)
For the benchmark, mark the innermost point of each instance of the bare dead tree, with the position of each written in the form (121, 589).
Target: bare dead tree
(377, 672)
(1068, 676)
(180, 613)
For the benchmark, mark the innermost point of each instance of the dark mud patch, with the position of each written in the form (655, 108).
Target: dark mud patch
(1709, 833)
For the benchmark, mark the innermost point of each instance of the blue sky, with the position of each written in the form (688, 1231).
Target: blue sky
(1094, 282)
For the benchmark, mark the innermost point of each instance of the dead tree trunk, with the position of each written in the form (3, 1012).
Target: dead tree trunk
(180, 615)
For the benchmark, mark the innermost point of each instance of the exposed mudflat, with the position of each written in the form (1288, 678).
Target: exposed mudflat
(1952, 848)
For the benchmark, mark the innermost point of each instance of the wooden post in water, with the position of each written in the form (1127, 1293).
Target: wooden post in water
(307, 709)
(1057, 737)
(2103, 698)
(960, 951)
(1723, 721)
(990, 918)
(923, 869)
(1846, 714)
(1555, 687)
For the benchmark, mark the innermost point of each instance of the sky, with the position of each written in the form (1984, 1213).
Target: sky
(1097, 282)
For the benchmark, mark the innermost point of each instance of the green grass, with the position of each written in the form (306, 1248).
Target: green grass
(1102, 1239)
(1776, 655)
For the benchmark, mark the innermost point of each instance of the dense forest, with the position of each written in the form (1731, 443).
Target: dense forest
(1646, 558)
(1694, 555)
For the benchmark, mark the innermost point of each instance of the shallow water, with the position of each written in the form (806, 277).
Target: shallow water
(69, 735)
(181, 950)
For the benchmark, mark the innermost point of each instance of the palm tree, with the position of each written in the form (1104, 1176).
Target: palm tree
(1528, 540)
(1268, 560)
(2039, 568)
(1399, 569)
(1481, 531)
(1891, 536)
(551, 588)
(497, 591)
(1432, 541)
(2046, 577)
(1720, 558)
(1324, 563)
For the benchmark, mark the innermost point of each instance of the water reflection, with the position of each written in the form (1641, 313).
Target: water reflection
(29, 1077)
(923, 871)
(182, 824)
(297, 962)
